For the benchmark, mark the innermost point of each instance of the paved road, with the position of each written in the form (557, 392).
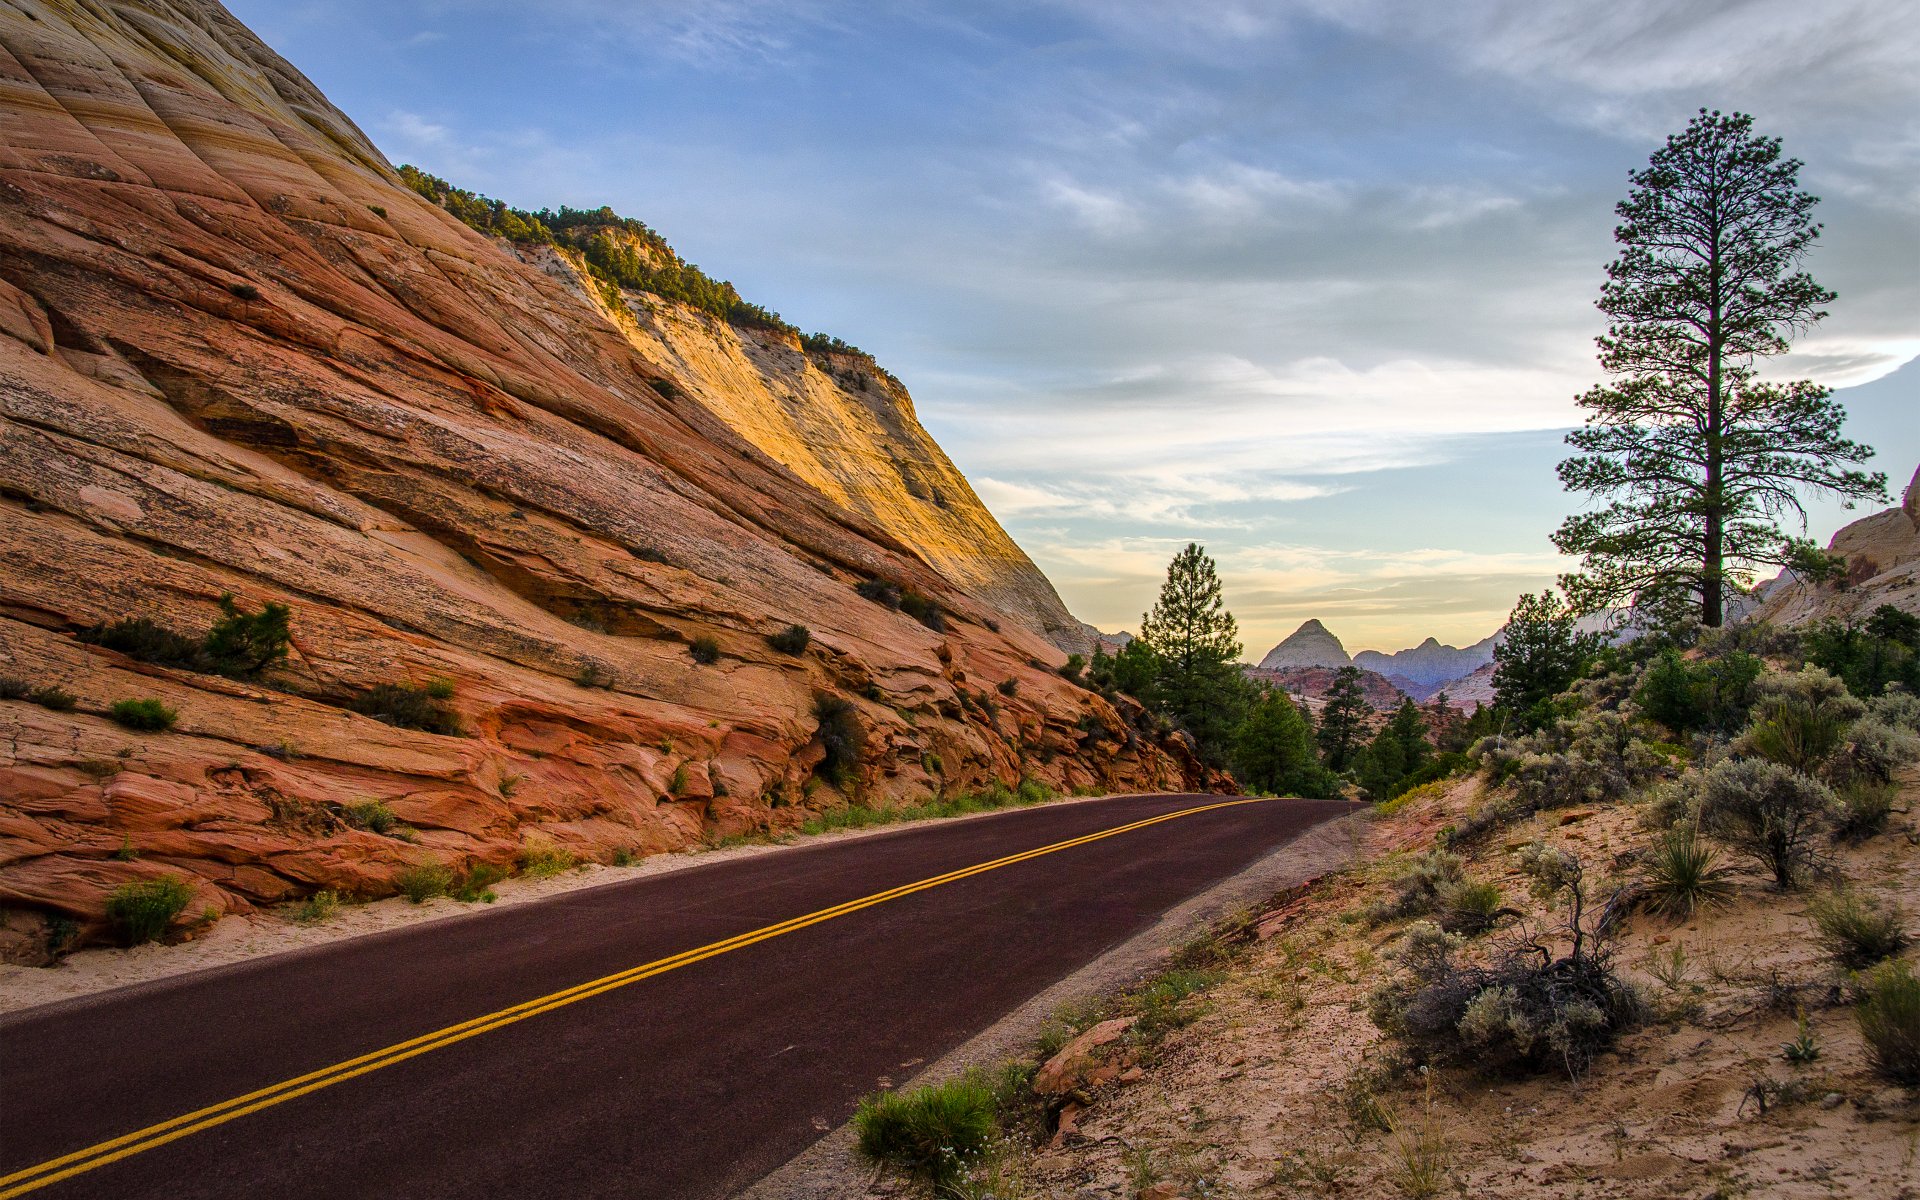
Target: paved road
(686, 1081)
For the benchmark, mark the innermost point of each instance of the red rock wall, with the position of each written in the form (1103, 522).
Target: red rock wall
(236, 356)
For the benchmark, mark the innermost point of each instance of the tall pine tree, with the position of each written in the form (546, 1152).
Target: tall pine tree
(1343, 722)
(1702, 459)
(1195, 642)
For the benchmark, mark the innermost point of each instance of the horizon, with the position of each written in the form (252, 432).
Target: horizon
(1310, 285)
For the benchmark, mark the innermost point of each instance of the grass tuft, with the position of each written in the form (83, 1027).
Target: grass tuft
(931, 1133)
(1889, 1019)
(1854, 930)
(540, 859)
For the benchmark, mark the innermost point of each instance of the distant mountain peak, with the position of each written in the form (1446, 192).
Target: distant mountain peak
(1311, 645)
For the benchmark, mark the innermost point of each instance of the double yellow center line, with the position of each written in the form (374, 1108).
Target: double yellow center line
(141, 1140)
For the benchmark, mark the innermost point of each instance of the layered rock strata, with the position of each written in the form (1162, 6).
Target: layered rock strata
(237, 357)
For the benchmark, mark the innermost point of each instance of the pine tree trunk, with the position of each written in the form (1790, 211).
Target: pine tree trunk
(1713, 559)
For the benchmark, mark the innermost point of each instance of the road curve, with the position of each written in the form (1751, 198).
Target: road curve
(676, 1036)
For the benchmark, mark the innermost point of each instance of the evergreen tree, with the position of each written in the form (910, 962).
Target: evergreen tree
(1395, 753)
(1701, 457)
(1343, 720)
(1273, 750)
(1194, 642)
(1544, 652)
(1132, 670)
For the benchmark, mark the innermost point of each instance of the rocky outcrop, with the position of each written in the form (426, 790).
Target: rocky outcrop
(1882, 554)
(1308, 646)
(236, 356)
(1314, 684)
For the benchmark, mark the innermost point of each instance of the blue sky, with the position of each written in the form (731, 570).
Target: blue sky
(1309, 282)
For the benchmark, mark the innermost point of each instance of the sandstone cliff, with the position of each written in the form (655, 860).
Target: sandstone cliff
(1311, 645)
(237, 356)
(1882, 554)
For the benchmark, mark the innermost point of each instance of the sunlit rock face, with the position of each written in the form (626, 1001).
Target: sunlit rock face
(1311, 645)
(1882, 555)
(236, 356)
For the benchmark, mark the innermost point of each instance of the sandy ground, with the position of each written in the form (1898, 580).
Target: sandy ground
(1277, 1088)
(239, 938)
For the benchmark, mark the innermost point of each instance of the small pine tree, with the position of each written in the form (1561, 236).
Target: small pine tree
(1544, 652)
(1396, 752)
(1344, 720)
(1273, 750)
(1194, 642)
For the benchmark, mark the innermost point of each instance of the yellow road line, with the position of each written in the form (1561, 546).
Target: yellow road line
(126, 1145)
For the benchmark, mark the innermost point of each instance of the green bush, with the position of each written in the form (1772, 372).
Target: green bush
(933, 1133)
(422, 883)
(1889, 1019)
(841, 736)
(317, 907)
(476, 886)
(12, 687)
(1008, 687)
(705, 650)
(1713, 694)
(145, 639)
(1872, 657)
(372, 816)
(408, 707)
(1765, 811)
(240, 644)
(794, 639)
(148, 715)
(1855, 930)
(1683, 874)
(142, 910)
(879, 591)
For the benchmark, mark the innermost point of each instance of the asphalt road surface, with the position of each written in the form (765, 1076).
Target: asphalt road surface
(676, 1036)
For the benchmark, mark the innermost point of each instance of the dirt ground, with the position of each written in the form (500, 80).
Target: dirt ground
(1282, 1086)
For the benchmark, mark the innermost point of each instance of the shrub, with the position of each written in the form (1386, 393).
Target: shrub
(1071, 669)
(142, 910)
(407, 707)
(244, 644)
(1008, 687)
(422, 883)
(840, 736)
(1532, 1007)
(1889, 1019)
(1683, 875)
(1765, 811)
(541, 859)
(244, 291)
(1874, 752)
(12, 687)
(317, 907)
(923, 609)
(149, 715)
(879, 591)
(705, 650)
(1795, 733)
(1470, 908)
(371, 815)
(1714, 694)
(794, 639)
(477, 884)
(54, 697)
(931, 1133)
(1418, 887)
(147, 640)
(1863, 810)
(1855, 931)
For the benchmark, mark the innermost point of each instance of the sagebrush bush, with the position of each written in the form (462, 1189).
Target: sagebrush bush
(1417, 887)
(142, 910)
(1469, 907)
(1796, 733)
(1684, 874)
(409, 707)
(1855, 930)
(1889, 1018)
(1765, 811)
(1535, 1005)
(147, 715)
(794, 639)
(1874, 751)
(932, 1133)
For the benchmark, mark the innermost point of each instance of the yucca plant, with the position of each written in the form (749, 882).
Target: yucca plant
(1684, 874)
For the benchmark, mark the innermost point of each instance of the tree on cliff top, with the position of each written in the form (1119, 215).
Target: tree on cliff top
(1195, 642)
(1701, 457)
